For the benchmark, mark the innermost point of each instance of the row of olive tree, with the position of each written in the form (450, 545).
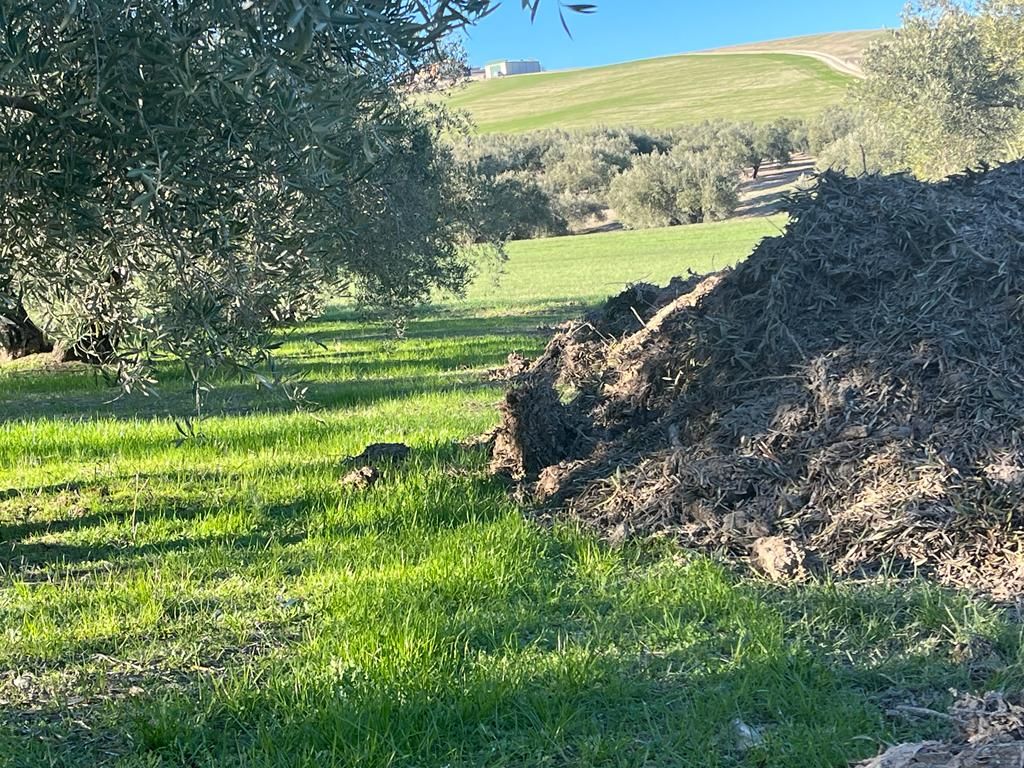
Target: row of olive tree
(545, 182)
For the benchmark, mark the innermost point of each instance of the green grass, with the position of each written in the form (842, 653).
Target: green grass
(226, 602)
(568, 272)
(656, 93)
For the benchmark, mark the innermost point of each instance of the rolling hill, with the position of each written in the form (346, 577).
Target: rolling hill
(777, 79)
(842, 50)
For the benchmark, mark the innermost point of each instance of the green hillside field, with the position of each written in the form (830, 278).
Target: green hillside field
(845, 46)
(656, 93)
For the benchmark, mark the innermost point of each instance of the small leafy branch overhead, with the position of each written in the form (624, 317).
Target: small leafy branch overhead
(533, 5)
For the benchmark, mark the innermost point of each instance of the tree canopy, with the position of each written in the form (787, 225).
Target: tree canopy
(178, 177)
(949, 84)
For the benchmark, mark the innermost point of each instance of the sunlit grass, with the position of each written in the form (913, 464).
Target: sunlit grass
(567, 272)
(225, 601)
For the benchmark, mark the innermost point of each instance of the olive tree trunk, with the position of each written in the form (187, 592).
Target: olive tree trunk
(94, 348)
(19, 336)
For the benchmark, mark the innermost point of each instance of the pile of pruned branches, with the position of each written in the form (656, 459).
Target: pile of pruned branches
(850, 397)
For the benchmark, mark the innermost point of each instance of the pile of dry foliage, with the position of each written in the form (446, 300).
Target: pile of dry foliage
(850, 397)
(989, 734)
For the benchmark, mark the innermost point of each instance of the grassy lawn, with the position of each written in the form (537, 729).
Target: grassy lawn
(656, 93)
(226, 602)
(567, 273)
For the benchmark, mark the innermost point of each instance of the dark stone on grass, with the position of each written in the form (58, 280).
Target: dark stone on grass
(361, 478)
(378, 452)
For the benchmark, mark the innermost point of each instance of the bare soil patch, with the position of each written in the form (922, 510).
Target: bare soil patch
(767, 193)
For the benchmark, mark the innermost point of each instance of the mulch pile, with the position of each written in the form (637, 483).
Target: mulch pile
(989, 734)
(850, 397)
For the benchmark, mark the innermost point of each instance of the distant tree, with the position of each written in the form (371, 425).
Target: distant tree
(578, 169)
(774, 141)
(493, 154)
(708, 186)
(754, 144)
(799, 137)
(863, 145)
(833, 123)
(949, 83)
(566, 178)
(514, 206)
(734, 143)
(586, 161)
(571, 170)
(681, 187)
(644, 196)
(577, 209)
(646, 141)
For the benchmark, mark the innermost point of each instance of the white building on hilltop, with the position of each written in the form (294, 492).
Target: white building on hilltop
(506, 68)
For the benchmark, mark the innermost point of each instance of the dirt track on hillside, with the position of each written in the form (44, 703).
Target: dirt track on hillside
(839, 65)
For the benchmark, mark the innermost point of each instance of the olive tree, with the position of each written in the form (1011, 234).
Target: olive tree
(680, 187)
(513, 206)
(179, 177)
(1001, 24)
(578, 169)
(751, 145)
(773, 142)
(848, 138)
(833, 123)
(948, 83)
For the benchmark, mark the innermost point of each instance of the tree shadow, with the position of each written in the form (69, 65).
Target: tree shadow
(20, 553)
(26, 560)
(561, 694)
(339, 378)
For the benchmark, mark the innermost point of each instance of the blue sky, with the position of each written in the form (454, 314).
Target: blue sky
(622, 30)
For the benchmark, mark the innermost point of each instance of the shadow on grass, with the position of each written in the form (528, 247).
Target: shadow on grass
(444, 322)
(243, 399)
(565, 671)
(337, 378)
(479, 639)
(22, 553)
